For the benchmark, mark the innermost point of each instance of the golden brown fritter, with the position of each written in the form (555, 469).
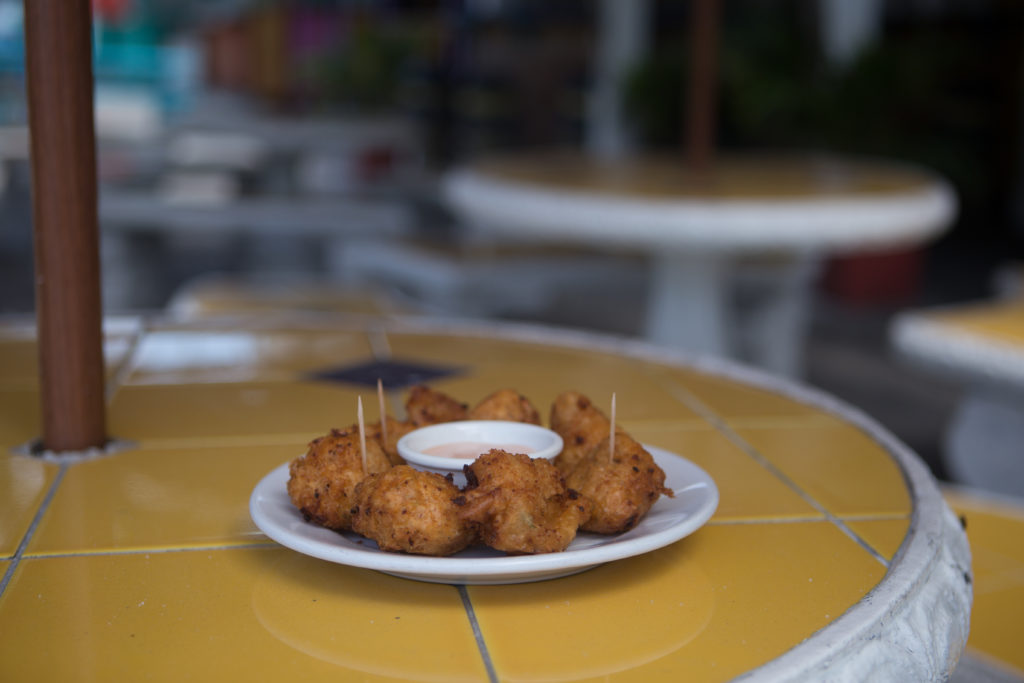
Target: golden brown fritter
(425, 406)
(411, 511)
(396, 430)
(580, 424)
(505, 404)
(620, 490)
(321, 482)
(520, 504)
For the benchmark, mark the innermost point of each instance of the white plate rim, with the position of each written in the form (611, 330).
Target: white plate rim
(695, 502)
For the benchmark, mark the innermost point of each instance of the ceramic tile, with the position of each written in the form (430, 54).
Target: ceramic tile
(700, 609)
(158, 498)
(838, 465)
(150, 554)
(183, 355)
(235, 614)
(298, 410)
(541, 372)
(24, 482)
(19, 363)
(730, 400)
(20, 419)
(747, 490)
(884, 535)
(995, 531)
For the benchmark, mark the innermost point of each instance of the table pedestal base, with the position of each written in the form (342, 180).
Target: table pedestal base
(688, 303)
(752, 310)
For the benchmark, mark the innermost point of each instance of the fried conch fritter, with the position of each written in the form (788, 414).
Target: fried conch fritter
(396, 430)
(580, 424)
(408, 510)
(505, 404)
(519, 504)
(425, 406)
(321, 482)
(621, 489)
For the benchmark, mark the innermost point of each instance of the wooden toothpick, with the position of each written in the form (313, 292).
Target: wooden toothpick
(362, 432)
(611, 436)
(383, 413)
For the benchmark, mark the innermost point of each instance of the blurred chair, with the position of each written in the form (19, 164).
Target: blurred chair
(231, 189)
(571, 287)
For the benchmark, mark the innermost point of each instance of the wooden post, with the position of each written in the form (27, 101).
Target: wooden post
(702, 100)
(58, 51)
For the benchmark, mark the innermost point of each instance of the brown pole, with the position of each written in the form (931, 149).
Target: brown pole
(702, 99)
(58, 51)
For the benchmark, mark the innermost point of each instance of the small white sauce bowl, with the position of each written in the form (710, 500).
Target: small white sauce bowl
(542, 442)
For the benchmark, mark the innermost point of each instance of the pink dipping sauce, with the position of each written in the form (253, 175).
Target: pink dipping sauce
(469, 450)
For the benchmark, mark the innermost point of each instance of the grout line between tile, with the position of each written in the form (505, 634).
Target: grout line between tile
(43, 507)
(299, 439)
(812, 420)
(766, 520)
(726, 430)
(152, 551)
(124, 368)
(467, 604)
(803, 519)
(695, 423)
(7, 575)
(881, 517)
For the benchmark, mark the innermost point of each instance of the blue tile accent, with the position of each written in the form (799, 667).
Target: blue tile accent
(393, 374)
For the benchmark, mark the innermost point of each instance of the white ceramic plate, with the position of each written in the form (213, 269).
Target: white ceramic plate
(696, 498)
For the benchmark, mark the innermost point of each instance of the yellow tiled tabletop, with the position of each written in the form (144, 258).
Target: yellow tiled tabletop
(995, 527)
(146, 564)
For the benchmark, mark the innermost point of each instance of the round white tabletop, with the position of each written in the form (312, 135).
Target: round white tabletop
(697, 226)
(748, 203)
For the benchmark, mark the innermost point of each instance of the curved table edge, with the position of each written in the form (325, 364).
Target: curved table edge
(914, 624)
(833, 223)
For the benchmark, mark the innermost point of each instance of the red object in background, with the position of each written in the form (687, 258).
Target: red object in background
(890, 277)
(112, 10)
(375, 163)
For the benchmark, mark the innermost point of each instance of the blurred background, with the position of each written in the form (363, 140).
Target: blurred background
(293, 151)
